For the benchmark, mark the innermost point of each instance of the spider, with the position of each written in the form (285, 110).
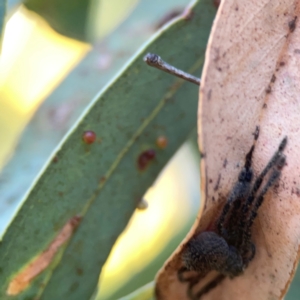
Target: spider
(230, 249)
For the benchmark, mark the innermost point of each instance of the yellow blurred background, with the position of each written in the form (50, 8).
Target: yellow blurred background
(34, 60)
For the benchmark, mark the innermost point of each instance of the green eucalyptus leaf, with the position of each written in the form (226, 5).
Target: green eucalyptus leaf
(66, 17)
(65, 104)
(294, 289)
(102, 181)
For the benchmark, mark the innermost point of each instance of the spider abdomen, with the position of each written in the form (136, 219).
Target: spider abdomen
(208, 251)
(230, 249)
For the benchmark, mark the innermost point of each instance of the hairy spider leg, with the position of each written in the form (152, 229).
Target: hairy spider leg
(192, 281)
(190, 292)
(275, 174)
(180, 275)
(211, 285)
(241, 189)
(257, 184)
(239, 192)
(181, 278)
(260, 178)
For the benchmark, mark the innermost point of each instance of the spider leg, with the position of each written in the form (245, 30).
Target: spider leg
(211, 285)
(240, 191)
(274, 160)
(275, 174)
(192, 281)
(190, 291)
(180, 275)
(252, 254)
(181, 278)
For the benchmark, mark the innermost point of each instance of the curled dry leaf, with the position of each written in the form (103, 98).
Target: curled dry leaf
(251, 78)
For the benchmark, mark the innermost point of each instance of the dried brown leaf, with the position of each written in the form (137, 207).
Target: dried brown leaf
(251, 78)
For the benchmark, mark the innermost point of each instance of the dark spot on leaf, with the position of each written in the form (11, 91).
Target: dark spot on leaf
(256, 133)
(89, 137)
(272, 276)
(268, 89)
(150, 154)
(273, 79)
(162, 142)
(265, 105)
(282, 63)
(297, 51)
(145, 158)
(79, 271)
(296, 191)
(217, 183)
(142, 161)
(225, 163)
(292, 24)
(55, 159)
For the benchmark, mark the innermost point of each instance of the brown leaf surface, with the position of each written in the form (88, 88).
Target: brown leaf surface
(251, 78)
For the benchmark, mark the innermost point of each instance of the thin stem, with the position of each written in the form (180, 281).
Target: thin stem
(155, 61)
